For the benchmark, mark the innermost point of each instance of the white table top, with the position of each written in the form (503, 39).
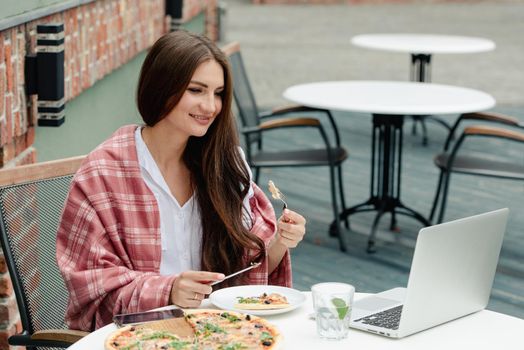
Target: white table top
(482, 330)
(423, 43)
(390, 97)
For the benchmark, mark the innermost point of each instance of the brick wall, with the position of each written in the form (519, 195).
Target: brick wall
(99, 37)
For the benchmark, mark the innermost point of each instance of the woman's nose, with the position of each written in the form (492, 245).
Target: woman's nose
(208, 104)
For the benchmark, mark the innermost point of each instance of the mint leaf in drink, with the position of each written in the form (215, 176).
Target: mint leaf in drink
(342, 308)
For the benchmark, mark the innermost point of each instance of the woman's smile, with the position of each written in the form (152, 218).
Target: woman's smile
(201, 119)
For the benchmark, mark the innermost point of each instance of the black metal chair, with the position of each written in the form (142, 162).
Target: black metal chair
(454, 159)
(255, 123)
(31, 202)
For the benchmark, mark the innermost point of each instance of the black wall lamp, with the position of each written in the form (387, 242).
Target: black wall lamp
(174, 9)
(44, 74)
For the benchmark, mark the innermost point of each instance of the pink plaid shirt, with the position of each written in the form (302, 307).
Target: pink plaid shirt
(108, 242)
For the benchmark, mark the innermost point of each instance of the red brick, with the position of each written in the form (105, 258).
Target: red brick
(8, 312)
(2, 90)
(8, 118)
(20, 144)
(3, 265)
(16, 122)
(7, 153)
(1, 48)
(8, 66)
(30, 136)
(32, 110)
(3, 131)
(6, 287)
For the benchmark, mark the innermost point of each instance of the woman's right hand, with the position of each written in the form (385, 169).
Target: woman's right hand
(191, 287)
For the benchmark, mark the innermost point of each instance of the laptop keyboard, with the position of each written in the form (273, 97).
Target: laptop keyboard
(389, 318)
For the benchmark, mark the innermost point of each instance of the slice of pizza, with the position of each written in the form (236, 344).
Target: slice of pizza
(218, 329)
(262, 302)
(135, 338)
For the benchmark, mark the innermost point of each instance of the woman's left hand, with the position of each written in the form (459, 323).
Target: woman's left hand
(291, 228)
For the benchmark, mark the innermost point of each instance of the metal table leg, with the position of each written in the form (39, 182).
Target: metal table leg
(386, 169)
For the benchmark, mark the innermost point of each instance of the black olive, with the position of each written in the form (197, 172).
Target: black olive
(115, 343)
(264, 295)
(258, 326)
(132, 329)
(250, 333)
(248, 318)
(266, 343)
(164, 347)
(267, 301)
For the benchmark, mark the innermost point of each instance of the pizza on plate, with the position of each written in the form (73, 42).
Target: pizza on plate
(262, 302)
(212, 330)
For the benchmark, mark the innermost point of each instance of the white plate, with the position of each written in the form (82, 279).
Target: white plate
(227, 298)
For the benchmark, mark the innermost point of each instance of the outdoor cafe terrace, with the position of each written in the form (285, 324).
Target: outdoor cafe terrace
(288, 45)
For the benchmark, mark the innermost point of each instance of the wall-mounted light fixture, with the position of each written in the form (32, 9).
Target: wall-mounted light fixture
(174, 9)
(44, 74)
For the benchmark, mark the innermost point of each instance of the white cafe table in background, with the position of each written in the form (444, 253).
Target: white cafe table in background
(421, 47)
(388, 102)
(482, 330)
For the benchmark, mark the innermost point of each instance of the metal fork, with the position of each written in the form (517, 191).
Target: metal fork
(276, 193)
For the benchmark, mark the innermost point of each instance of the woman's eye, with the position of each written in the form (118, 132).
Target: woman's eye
(219, 93)
(194, 90)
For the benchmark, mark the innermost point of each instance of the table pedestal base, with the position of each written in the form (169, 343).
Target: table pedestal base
(420, 71)
(386, 161)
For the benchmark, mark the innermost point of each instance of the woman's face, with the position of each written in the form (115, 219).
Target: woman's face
(201, 102)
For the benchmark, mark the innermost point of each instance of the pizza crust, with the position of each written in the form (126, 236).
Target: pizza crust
(246, 306)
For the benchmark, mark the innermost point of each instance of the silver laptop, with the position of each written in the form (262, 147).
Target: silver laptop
(451, 276)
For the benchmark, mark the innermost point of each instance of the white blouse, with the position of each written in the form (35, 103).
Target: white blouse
(180, 226)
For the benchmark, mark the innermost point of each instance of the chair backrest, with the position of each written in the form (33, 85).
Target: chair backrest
(242, 92)
(31, 201)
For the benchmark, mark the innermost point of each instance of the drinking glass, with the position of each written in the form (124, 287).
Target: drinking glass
(332, 302)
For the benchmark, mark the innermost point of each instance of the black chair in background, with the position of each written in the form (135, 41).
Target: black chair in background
(31, 201)
(256, 123)
(494, 160)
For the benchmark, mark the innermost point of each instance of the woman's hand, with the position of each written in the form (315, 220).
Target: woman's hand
(291, 228)
(190, 287)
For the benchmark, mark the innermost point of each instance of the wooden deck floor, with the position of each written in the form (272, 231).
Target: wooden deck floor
(318, 259)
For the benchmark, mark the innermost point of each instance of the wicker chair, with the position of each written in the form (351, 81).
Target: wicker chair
(31, 202)
(256, 123)
(455, 157)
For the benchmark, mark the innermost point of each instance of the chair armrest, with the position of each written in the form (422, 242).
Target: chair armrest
(62, 335)
(288, 122)
(281, 123)
(491, 117)
(483, 130)
(293, 122)
(485, 116)
(300, 108)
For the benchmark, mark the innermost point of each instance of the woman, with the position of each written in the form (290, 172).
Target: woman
(156, 213)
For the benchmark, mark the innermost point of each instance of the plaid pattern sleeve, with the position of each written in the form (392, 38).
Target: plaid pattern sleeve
(108, 241)
(264, 226)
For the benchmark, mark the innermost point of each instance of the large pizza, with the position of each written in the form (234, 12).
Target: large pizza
(211, 330)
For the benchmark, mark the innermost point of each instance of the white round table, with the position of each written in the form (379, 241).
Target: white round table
(482, 330)
(421, 47)
(388, 102)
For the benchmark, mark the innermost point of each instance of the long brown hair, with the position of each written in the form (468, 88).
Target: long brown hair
(218, 173)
